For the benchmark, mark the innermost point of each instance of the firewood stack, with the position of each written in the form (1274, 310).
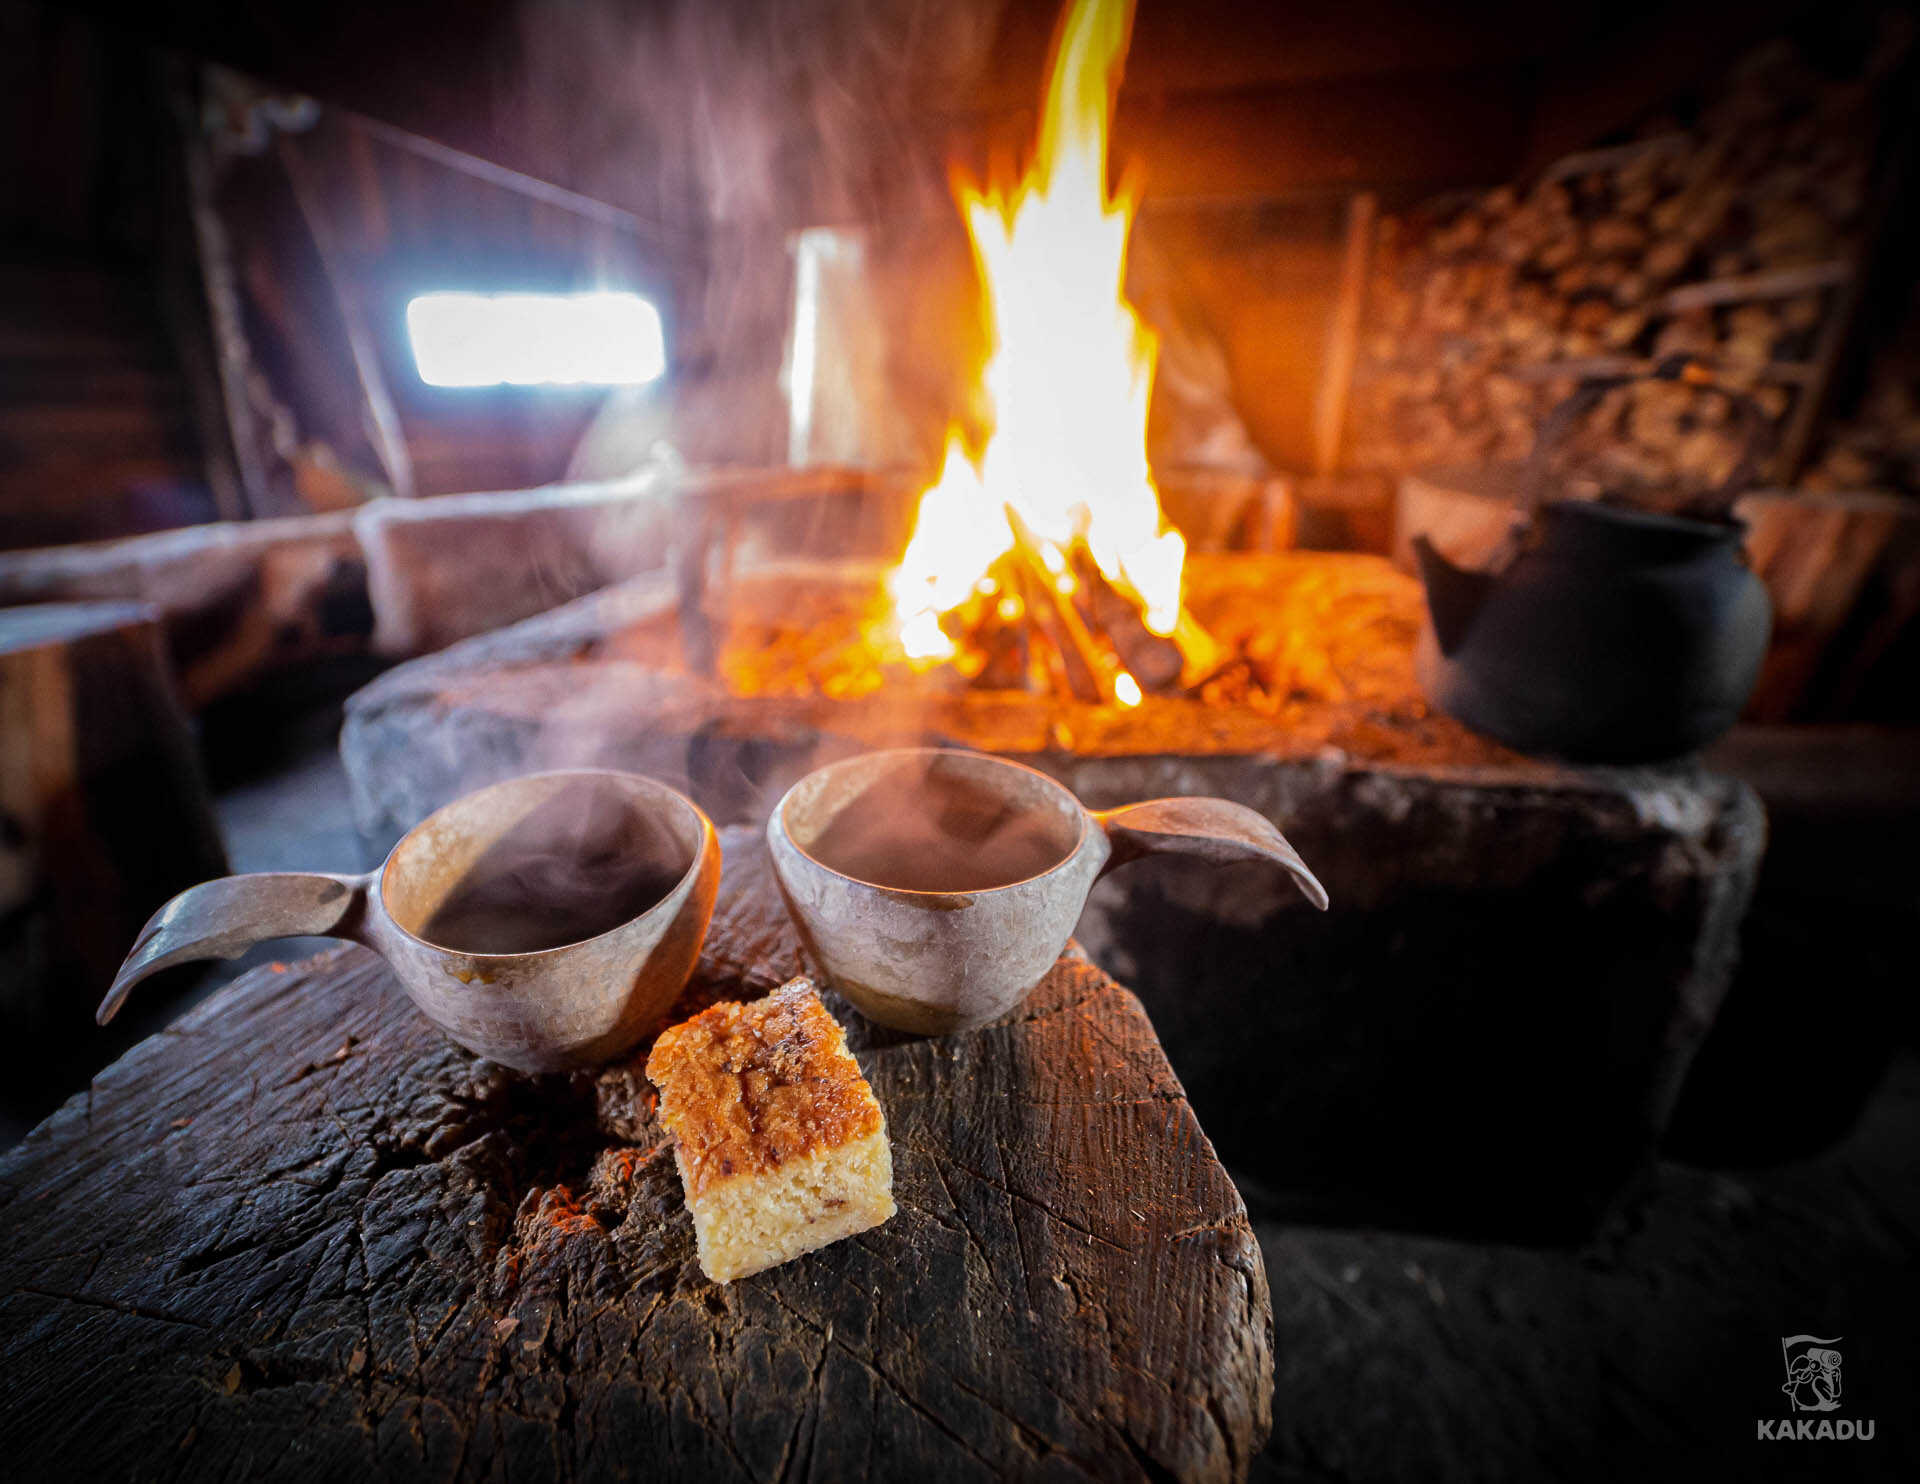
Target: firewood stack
(1731, 239)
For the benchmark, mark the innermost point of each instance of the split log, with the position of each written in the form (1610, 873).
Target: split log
(1152, 659)
(448, 568)
(995, 625)
(104, 813)
(1067, 669)
(1779, 283)
(441, 570)
(305, 1236)
(1097, 631)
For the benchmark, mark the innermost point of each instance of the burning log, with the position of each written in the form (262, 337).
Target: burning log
(1001, 636)
(1047, 620)
(1152, 659)
(1090, 673)
(1202, 654)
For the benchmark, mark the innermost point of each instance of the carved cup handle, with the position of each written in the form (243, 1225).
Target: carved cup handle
(224, 918)
(1214, 830)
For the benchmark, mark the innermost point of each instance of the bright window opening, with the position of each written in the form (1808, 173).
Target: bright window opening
(599, 339)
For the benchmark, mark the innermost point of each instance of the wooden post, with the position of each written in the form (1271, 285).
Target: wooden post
(1343, 334)
(103, 810)
(1842, 342)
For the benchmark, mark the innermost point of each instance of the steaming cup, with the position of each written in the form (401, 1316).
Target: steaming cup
(888, 863)
(612, 839)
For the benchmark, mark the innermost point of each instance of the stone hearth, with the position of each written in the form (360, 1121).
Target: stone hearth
(1494, 1017)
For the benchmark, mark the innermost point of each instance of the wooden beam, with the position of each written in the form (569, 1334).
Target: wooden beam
(1411, 134)
(1604, 86)
(516, 181)
(383, 420)
(1426, 131)
(237, 445)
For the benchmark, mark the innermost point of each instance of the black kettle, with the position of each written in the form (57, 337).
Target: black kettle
(1611, 635)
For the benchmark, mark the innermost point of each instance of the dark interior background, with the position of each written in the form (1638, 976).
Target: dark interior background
(698, 137)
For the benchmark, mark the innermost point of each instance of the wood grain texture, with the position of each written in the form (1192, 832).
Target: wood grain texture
(300, 1234)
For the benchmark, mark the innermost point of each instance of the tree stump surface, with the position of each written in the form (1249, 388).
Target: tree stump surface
(300, 1234)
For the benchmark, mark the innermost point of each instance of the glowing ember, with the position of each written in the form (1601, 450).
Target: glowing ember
(1068, 378)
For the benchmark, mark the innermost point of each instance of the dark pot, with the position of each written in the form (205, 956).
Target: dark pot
(1615, 636)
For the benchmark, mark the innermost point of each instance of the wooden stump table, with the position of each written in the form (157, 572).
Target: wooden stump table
(300, 1234)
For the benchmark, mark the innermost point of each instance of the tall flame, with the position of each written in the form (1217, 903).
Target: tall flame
(1069, 369)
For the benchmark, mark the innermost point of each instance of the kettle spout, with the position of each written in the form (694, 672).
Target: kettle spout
(1454, 594)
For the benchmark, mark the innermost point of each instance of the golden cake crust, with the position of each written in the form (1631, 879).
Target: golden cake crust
(745, 1088)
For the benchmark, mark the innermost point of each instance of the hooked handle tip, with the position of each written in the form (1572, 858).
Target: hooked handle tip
(226, 917)
(1214, 830)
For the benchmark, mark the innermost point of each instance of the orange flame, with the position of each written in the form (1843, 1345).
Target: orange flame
(1068, 375)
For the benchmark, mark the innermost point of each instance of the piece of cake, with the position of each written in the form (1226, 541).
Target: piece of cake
(780, 1143)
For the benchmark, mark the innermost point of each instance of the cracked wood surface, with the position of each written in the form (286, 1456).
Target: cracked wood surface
(299, 1234)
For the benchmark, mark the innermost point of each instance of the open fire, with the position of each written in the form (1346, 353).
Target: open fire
(1042, 560)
